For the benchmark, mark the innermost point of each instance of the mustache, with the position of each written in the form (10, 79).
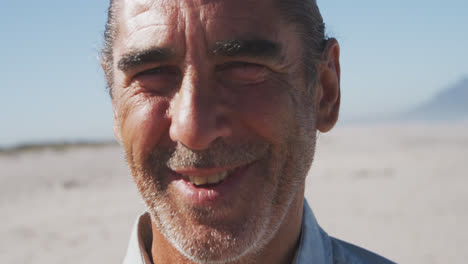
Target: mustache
(219, 154)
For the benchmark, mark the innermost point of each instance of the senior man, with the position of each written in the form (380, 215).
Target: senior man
(217, 104)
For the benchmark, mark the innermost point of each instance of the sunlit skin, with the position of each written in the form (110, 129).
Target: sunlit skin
(179, 85)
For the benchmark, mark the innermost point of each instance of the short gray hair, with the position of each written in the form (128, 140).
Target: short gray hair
(110, 34)
(306, 15)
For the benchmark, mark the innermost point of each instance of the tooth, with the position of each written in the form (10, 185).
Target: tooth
(200, 180)
(210, 179)
(213, 178)
(223, 175)
(218, 177)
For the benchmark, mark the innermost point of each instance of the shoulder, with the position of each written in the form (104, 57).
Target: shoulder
(344, 252)
(316, 246)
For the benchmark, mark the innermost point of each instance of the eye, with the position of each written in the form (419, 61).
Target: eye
(243, 73)
(160, 79)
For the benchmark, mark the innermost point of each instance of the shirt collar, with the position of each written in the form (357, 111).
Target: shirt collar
(314, 245)
(136, 252)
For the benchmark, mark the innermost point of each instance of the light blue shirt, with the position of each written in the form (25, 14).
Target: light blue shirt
(315, 247)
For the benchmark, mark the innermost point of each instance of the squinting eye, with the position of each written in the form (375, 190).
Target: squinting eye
(243, 73)
(160, 79)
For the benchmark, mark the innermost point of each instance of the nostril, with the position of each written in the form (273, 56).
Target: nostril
(198, 133)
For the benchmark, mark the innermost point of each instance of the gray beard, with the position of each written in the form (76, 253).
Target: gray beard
(223, 244)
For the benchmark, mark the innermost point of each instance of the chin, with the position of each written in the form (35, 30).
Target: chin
(213, 235)
(204, 239)
(208, 244)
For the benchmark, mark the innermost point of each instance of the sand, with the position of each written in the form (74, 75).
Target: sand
(396, 190)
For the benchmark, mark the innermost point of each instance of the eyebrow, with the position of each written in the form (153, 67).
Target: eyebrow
(136, 58)
(256, 48)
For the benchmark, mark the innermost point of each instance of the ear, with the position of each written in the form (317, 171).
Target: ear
(327, 93)
(103, 66)
(116, 124)
(105, 69)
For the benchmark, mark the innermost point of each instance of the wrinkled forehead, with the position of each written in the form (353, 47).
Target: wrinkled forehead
(225, 7)
(219, 18)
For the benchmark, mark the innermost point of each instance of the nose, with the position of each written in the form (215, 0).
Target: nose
(198, 116)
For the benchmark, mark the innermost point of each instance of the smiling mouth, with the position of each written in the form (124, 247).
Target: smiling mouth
(209, 186)
(207, 180)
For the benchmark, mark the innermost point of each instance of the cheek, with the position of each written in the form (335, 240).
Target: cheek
(268, 111)
(143, 126)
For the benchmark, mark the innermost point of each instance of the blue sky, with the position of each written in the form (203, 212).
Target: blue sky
(395, 54)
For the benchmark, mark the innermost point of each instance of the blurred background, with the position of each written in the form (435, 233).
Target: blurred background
(389, 177)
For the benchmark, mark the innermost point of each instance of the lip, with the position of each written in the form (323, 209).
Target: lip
(210, 195)
(202, 171)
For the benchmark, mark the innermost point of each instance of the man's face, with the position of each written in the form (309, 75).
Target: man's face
(216, 119)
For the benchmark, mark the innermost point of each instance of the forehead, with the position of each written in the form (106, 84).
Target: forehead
(157, 22)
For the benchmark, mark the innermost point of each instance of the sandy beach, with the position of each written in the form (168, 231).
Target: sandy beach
(397, 190)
